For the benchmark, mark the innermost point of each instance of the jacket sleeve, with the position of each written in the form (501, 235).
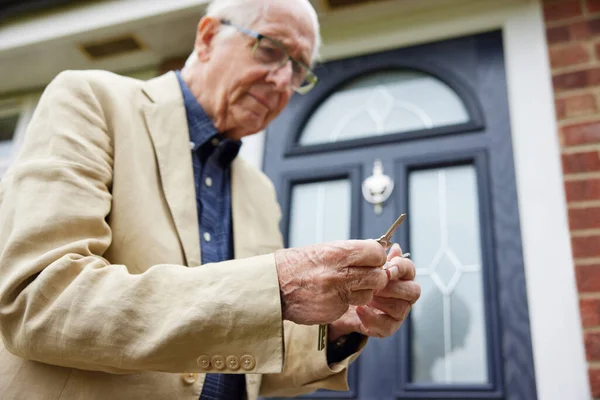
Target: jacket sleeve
(306, 368)
(63, 303)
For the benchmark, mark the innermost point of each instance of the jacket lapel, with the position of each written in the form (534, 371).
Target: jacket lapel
(239, 214)
(167, 125)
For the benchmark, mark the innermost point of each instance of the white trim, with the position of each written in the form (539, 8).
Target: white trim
(559, 356)
(561, 368)
(84, 18)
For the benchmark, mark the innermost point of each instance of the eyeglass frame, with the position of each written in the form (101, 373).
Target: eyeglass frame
(311, 77)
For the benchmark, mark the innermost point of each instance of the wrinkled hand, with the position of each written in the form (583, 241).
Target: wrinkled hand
(318, 283)
(388, 309)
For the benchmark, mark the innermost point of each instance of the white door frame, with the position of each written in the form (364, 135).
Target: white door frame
(556, 333)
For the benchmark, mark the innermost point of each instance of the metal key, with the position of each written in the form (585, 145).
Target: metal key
(385, 239)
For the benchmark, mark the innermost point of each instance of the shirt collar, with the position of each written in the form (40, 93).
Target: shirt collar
(204, 136)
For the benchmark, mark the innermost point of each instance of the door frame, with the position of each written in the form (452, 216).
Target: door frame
(542, 203)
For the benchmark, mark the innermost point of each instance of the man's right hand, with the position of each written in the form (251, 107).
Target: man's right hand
(318, 283)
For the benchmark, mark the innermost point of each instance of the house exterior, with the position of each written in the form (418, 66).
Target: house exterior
(478, 118)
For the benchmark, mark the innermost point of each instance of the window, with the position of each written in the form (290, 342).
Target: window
(384, 103)
(15, 114)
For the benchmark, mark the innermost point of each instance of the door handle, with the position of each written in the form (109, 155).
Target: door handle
(377, 188)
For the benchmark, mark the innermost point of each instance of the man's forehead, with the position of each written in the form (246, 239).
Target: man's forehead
(292, 26)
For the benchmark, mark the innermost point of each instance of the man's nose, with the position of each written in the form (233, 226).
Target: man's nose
(282, 76)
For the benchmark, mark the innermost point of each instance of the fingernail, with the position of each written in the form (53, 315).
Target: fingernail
(393, 272)
(405, 255)
(386, 265)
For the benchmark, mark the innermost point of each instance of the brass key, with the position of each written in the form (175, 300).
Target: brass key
(385, 239)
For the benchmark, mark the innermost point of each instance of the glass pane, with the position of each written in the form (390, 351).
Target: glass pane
(429, 348)
(319, 212)
(384, 103)
(445, 246)
(8, 126)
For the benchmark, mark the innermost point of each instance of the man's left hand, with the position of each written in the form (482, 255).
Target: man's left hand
(388, 309)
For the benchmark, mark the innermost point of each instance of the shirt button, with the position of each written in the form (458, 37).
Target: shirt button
(208, 181)
(247, 362)
(192, 144)
(189, 377)
(215, 142)
(233, 363)
(207, 237)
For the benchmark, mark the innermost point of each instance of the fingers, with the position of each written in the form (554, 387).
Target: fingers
(376, 324)
(360, 297)
(395, 251)
(405, 266)
(365, 253)
(368, 278)
(409, 291)
(372, 278)
(395, 308)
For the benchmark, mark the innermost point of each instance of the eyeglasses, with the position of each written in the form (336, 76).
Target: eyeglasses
(273, 54)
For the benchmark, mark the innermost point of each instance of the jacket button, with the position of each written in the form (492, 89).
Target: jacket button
(189, 377)
(247, 362)
(218, 362)
(204, 362)
(233, 363)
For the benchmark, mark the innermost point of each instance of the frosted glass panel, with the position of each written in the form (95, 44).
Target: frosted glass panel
(384, 103)
(8, 125)
(449, 341)
(319, 212)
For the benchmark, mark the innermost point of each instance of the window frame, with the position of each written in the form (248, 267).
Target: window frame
(324, 90)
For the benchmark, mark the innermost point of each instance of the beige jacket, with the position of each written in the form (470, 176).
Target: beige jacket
(102, 291)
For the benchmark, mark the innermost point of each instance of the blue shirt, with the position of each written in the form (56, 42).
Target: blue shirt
(212, 155)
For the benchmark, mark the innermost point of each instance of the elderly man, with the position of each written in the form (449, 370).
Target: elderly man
(141, 259)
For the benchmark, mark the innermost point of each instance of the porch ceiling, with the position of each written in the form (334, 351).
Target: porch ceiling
(34, 48)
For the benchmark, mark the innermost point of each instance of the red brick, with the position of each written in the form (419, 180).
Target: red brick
(582, 133)
(571, 54)
(559, 10)
(584, 218)
(586, 247)
(588, 278)
(584, 190)
(580, 30)
(586, 29)
(592, 5)
(590, 312)
(559, 34)
(581, 162)
(592, 345)
(597, 50)
(576, 106)
(594, 375)
(576, 80)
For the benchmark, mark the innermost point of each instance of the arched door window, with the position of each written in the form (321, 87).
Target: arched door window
(384, 103)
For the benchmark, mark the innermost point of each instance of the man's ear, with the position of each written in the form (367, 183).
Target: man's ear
(207, 29)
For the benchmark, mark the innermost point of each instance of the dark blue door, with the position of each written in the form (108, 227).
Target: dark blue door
(423, 130)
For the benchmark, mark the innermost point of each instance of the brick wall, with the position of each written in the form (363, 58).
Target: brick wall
(573, 33)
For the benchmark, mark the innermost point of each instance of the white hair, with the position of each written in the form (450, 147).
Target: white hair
(248, 12)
